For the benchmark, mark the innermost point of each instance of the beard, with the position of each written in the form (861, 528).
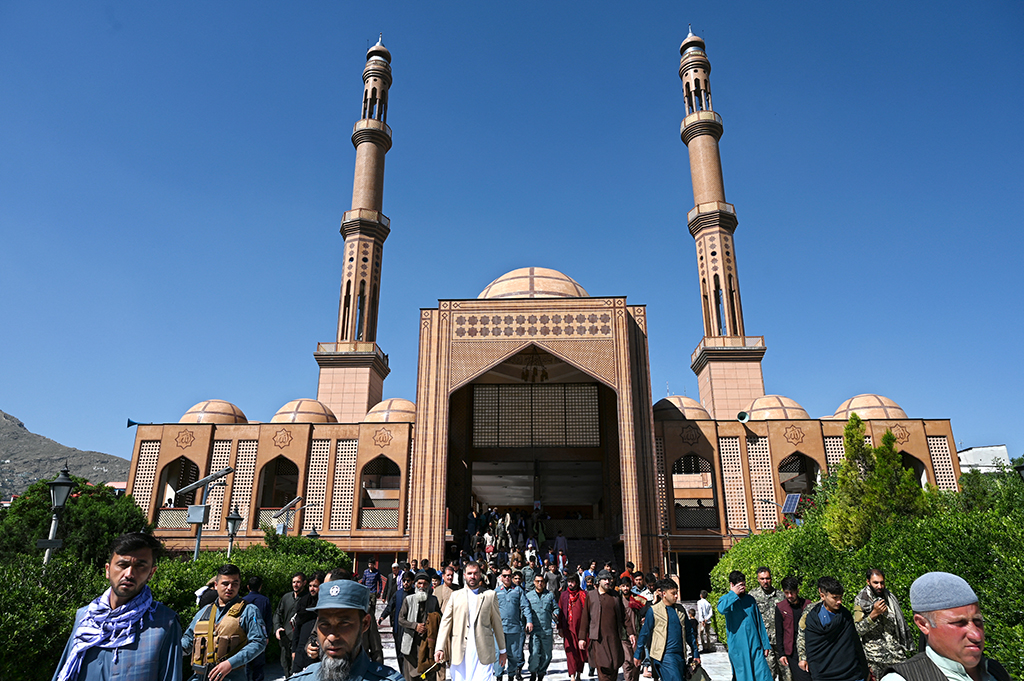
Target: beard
(877, 593)
(334, 668)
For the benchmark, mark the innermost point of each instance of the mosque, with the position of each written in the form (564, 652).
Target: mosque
(532, 394)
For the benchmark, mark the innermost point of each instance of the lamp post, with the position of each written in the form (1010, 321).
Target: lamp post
(233, 521)
(60, 490)
(313, 534)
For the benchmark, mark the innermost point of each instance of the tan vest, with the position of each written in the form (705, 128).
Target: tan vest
(660, 611)
(214, 641)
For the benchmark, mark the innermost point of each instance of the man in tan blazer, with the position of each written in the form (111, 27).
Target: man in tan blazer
(470, 625)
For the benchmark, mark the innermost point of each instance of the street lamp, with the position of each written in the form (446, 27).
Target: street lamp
(313, 534)
(233, 521)
(60, 490)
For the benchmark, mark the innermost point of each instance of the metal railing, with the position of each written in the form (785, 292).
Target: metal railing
(265, 516)
(378, 518)
(172, 519)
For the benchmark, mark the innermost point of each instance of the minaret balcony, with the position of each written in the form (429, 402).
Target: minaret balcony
(701, 123)
(372, 130)
(726, 348)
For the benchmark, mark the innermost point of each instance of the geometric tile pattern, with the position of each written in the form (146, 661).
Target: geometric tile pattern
(145, 474)
(732, 476)
(245, 470)
(218, 462)
(834, 452)
(762, 482)
(942, 462)
(659, 464)
(316, 485)
(344, 484)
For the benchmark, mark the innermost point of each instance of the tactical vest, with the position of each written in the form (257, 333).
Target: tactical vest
(214, 641)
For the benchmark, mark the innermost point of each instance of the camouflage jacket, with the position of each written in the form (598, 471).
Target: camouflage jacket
(885, 640)
(801, 643)
(766, 604)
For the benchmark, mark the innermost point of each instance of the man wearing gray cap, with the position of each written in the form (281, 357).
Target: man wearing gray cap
(342, 617)
(946, 611)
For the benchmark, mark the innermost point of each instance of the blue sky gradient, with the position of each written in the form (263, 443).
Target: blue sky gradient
(172, 177)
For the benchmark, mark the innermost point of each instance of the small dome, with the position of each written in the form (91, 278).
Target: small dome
(869, 407)
(394, 410)
(677, 408)
(305, 410)
(534, 282)
(214, 411)
(691, 42)
(379, 51)
(775, 407)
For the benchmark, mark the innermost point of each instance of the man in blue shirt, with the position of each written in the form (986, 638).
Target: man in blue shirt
(124, 633)
(544, 610)
(372, 579)
(514, 611)
(262, 603)
(665, 633)
(230, 661)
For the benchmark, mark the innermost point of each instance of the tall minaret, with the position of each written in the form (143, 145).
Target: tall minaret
(352, 369)
(727, 363)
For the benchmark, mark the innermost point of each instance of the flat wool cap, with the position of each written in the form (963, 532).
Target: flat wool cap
(940, 591)
(343, 595)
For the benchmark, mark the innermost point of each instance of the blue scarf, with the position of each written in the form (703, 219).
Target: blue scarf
(106, 627)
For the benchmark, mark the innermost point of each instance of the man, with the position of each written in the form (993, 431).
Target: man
(590, 571)
(704, 622)
(639, 587)
(544, 611)
(262, 604)
(303, 622)
(561, 543)
(447, 588)
(392, 582)
(470, 628)
(124, 630)
(628, 572)
(636, 608)
(748, 639)
(238, 632)
(343, 618)
(603, 620)
(787, 617)
(394, 607)
(514, 611)
(282, 620)
(372, 645)
(946, 611)
(571, 604)
(529, 571)
(554, 581)
(831, 649)
(372, 579)
(667, 630)
(767, 597)
(880, 624)
(419, 616)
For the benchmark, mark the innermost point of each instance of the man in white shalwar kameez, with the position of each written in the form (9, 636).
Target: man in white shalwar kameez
(471, 630)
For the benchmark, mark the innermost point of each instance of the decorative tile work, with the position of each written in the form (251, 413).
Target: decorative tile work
(468, 359)
(408, 489)
(834, 452)
(145, 473)
(245, 470)
(942, 462)
(762, 482)
(536, 415)
(533, 324)
(659, 464)
(344, 484)
(594, 356)
(316, 485)
(218, 462)
(732, 477)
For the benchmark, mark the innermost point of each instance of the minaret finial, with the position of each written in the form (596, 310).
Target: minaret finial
(689, 29)
(380, 38)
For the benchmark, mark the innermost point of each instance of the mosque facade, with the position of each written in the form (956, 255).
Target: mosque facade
(531, 395)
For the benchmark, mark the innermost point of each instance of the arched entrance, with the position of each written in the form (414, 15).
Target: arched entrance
(798, 474)
(915, 464)
(173, 511)
(381, 483)
(693, 492)
(536, 438)
(278, 484)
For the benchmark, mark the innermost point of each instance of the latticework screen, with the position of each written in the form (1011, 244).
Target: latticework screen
(762, 482)
(344, 484)
(218, 462)
(536, 415)
(245, 469)
(145, 474)
(942, 462)
(732, 478)
(834, 452)
(316, 485)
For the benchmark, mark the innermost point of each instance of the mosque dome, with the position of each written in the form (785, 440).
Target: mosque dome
(870, 406)
(394, 410)
(214, 411)
(677, 408)
(773, 407)
(379, 51)
(691, 42)
(534, 282)
(304, 410)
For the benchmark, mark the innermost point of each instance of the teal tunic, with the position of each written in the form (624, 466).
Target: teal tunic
(747, 637)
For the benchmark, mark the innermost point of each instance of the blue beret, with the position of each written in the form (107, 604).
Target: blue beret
(343, 594)
(940, 591)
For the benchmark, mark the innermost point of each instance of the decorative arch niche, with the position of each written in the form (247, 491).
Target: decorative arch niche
(380, 482)
(693, 493)
(798, 474)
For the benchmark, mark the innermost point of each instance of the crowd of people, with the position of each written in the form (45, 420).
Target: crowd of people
(489, 620)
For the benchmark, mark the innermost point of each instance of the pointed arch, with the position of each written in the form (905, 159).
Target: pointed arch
(798, 474)
(380, 483)
(915, 464)
(278, 484)
(693, 493)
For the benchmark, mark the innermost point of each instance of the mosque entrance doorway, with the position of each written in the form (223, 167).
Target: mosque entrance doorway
(537, 439)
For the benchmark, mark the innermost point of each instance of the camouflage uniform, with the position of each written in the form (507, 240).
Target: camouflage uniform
(766, 604)
(884, 643)
(801, 642)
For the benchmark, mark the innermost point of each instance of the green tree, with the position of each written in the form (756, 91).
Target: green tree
(93, 517)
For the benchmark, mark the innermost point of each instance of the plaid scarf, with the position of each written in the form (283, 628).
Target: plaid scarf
(106, 627)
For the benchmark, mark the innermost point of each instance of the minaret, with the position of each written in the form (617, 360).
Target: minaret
(353, 368)
(727, 362)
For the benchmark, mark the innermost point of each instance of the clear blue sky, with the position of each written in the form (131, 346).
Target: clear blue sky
(172, 176)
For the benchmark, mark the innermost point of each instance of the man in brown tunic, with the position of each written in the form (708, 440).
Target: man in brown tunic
(601, 628)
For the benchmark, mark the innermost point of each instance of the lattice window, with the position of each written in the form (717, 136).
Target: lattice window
(691, 464)
(316, 485)
(245, 470)
(344, 484)
(145, 473)
(834, 452)
(218, 462)
(659, 464)
(732, 477)
(762, 482)
(867, 441)
(942, 462)
(536, 415)
(696, 513)
(408, 490)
